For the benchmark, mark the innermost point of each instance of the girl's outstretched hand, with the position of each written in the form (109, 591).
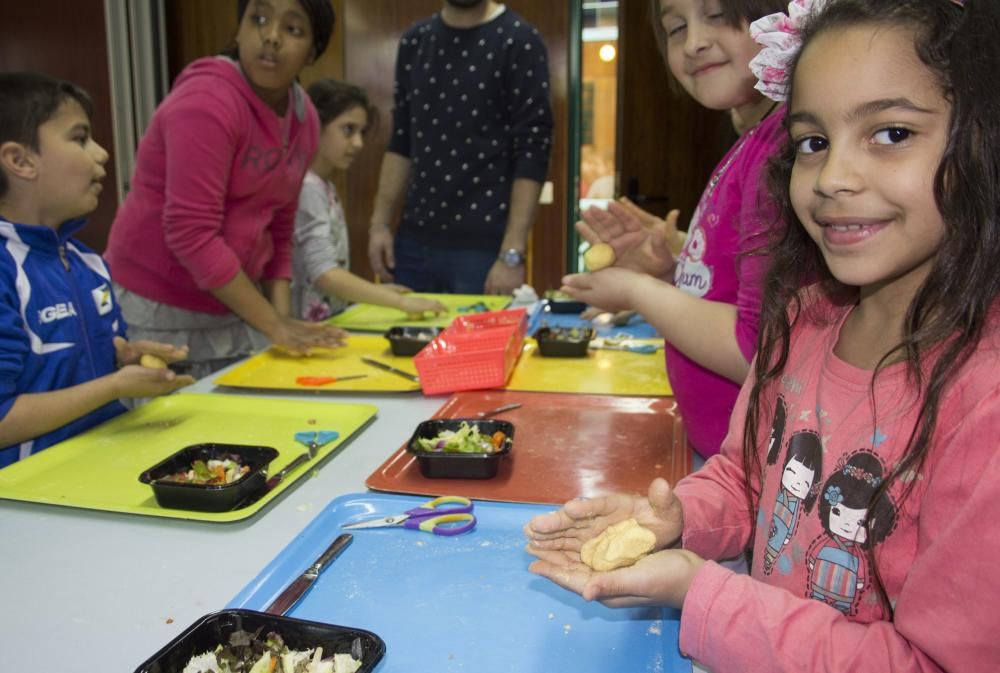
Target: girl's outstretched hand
(421, 305)
(659, 579)
(566, 529)
(299, 337)
(609, 289)
(642, 241)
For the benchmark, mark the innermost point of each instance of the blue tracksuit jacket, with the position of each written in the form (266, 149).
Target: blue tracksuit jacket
(58, 316)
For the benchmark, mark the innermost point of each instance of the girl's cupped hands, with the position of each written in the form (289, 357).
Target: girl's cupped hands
(642, 242)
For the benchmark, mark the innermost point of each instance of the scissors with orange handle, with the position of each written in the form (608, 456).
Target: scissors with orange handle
(446, 515)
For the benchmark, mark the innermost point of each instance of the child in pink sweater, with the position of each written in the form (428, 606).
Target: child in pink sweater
(201, 249)
(860, 470)
(706, 302)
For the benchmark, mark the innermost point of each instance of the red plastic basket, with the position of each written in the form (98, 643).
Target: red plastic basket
(474, 352)
(478, 323)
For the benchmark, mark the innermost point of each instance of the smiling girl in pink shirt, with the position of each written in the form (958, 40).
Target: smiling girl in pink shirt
(878, 387)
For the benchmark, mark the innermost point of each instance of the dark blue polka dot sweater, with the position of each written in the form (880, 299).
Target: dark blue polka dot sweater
(472, 113)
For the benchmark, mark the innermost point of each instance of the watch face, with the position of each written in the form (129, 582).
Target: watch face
(512, 258)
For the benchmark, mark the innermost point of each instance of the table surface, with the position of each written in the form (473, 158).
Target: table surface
(103, 591)
(110, 589)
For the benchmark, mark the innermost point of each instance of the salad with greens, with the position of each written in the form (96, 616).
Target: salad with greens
(467, 439)
(249, 653)
(211, 472)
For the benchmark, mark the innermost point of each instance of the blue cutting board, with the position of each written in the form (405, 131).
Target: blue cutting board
(464, 603)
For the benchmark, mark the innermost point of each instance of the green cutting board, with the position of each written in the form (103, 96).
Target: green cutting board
(99, 469)
(372, 318)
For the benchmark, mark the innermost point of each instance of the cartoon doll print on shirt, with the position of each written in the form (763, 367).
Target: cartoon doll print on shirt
(838, 559)
(692, 275)
(801, 471)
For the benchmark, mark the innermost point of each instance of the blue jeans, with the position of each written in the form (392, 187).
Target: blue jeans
(425, 268)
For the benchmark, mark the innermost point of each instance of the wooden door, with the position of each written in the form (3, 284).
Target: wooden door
(372, 31)
(667, 143)
(68, 40)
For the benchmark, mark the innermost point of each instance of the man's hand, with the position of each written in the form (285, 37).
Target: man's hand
(503, 279)
(380, 254)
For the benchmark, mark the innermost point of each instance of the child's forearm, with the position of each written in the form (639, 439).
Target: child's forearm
(344, 284)
(243, 298)
(279, 293)
(35, 414)
(705, 331)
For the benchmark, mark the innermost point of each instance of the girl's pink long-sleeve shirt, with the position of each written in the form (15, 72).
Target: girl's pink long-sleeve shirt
(810, 602)
(717, 264)
(215, 189)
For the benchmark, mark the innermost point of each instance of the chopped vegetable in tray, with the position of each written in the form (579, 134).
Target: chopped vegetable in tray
(211, 473)
(568, 334)
(467, 439)
(248, 653)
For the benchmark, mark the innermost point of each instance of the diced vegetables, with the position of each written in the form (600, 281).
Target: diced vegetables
(467, 439)
(247, 652)
(211, 473)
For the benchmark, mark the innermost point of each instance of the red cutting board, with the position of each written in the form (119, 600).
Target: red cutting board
(565, 446)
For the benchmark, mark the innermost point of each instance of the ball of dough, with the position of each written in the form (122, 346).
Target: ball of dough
(618, 546)
(599, 256)
(152, 361)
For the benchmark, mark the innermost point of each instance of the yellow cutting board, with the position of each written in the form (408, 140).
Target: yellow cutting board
(372, 318)
(99, 469)
(277, 371)
(601, 372)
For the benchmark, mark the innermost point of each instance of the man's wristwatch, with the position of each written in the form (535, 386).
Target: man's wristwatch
(512, 258)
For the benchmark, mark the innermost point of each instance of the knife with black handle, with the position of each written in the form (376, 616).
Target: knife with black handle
(294, 591)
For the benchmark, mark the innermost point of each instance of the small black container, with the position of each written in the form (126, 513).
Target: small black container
(441, 465)
(298, 634)
(566, 306)
(204, 497)
(406, 341)
(564, 342)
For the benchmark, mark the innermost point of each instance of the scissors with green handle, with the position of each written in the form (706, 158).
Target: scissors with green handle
(435, 516)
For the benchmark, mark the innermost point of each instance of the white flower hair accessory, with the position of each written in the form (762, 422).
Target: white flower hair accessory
(781, 36)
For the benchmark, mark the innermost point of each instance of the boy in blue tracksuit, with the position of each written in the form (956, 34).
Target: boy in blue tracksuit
(64, 361)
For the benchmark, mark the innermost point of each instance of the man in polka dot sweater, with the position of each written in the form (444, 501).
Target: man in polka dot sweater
(469, 151)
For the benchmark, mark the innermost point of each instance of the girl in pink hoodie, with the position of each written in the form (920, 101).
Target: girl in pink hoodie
(201, 248)
(860, 472)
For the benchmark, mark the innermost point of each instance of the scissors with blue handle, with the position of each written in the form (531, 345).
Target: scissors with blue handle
(430, 517)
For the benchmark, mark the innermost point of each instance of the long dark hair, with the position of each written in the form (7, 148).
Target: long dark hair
(333, 98)
(949, 311)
